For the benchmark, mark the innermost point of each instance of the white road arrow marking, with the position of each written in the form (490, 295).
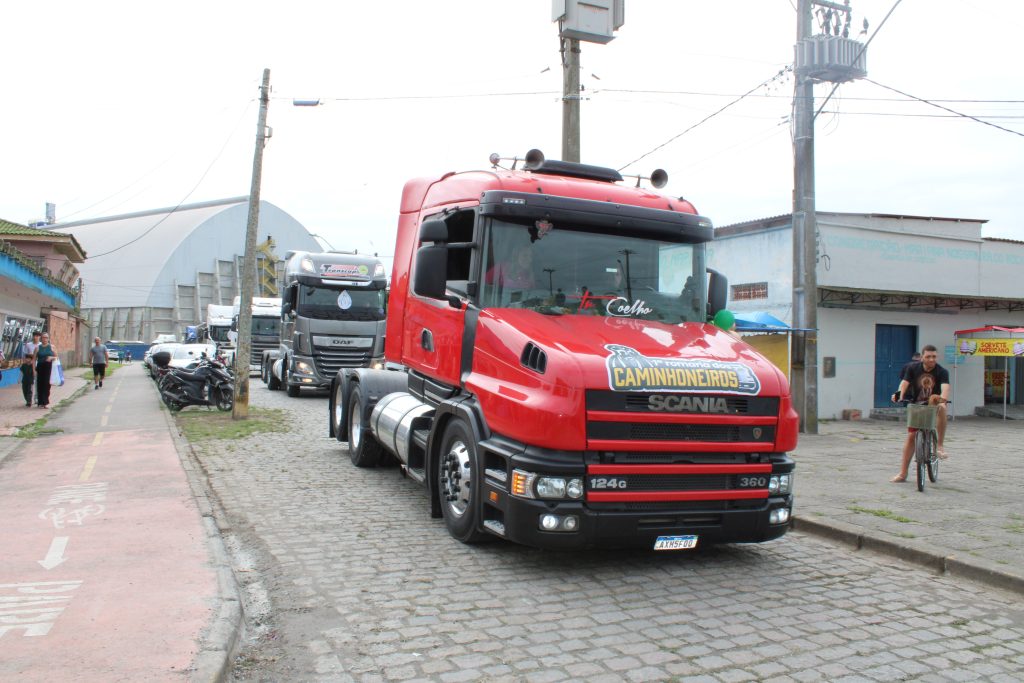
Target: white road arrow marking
(55, 555)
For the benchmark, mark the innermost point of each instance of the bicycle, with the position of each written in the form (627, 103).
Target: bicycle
(922, 417)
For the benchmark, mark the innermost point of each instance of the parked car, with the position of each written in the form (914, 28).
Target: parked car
(183, 355)
(148, 358)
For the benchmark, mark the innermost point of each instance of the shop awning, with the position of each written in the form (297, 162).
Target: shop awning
(991, 340)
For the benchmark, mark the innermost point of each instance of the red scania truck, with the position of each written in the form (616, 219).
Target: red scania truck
(551, 378)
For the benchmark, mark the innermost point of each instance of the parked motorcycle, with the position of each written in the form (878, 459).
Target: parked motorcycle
(209, 383)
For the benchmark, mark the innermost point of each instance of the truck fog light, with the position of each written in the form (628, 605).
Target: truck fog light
(778, 516)
(549, 522)
(571, 523)
(550, 487)
(574, 488)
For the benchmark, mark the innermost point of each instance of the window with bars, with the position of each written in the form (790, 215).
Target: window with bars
(750, 290)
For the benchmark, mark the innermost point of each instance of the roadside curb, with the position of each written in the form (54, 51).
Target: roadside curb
(974, 569)
(218, 646)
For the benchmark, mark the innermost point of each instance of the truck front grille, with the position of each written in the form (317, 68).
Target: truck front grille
(257, 348)
(329, 362)
(709, 433)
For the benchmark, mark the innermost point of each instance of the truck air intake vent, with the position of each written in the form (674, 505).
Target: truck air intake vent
(533, 358)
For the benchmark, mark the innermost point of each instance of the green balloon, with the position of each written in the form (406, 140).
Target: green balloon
(725, 319)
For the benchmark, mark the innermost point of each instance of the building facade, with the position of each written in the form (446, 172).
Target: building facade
(39, 290)
(887, 285)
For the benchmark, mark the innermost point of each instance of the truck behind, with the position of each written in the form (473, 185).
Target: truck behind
(333, 312)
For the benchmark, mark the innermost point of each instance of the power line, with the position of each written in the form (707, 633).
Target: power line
(183, 199)
(710, 116)
(939, 106)
(770, 96)
(387, 98)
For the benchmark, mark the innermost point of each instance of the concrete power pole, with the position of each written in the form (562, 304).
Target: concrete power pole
(805, 229)
(570, 99)
(593, 21)
(243, 352)
(831, 56)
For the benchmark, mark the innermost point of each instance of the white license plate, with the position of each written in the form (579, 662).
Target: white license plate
(675, 542)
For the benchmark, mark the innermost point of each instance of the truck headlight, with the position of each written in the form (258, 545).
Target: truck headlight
(780, 484)
(531, 485)
(550, 487)
(302, 367)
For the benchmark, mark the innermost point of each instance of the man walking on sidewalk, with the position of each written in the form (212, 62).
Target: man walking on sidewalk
(99, 362)
(28, 358)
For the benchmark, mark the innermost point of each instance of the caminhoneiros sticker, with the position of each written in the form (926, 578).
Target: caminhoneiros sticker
(629, 370)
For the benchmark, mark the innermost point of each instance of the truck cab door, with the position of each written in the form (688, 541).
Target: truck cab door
(434, 328)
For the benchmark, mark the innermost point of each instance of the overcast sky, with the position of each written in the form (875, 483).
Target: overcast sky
(113, 107)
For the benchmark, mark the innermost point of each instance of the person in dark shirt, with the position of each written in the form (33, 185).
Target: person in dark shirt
(44, 364)
(916, 358)
(925, 382)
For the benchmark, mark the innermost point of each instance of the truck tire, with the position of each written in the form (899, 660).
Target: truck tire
(273, 383)
(338, 410)
(291, 389)
(458, 482)
(363, 449)
(263, 371)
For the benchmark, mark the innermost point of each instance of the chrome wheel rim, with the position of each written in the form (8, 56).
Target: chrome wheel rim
(455, 479)
(337, 410)
(355, 426)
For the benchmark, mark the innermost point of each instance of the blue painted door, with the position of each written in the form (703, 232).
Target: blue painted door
(894, 345)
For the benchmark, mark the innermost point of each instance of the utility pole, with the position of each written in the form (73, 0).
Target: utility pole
(593, 21)
(570, 99)
(240, 411)
(805, 229)
(831, 56)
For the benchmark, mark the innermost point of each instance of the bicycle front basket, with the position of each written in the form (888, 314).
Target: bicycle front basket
(921, 416)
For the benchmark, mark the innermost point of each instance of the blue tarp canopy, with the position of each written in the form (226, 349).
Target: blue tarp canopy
(759, 321)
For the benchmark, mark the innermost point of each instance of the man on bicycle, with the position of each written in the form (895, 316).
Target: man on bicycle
(924, 382)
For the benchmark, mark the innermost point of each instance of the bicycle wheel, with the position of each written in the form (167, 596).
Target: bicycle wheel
(920, 456)
(933, 460)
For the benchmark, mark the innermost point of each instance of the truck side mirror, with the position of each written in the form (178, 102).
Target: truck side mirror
(431, 268)
(718, 292)
(288, 301)
(433, 230)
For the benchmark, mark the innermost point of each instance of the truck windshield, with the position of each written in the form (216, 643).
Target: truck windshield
(266, 326)
(219, 333)
(329, 303)
(568, 270)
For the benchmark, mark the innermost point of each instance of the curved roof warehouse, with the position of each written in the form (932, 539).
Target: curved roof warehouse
(155, 272)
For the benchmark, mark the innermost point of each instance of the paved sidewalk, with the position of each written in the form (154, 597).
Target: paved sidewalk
(111, 569)
(970, 523)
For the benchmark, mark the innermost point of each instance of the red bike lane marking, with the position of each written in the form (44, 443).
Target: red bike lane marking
(105, 560)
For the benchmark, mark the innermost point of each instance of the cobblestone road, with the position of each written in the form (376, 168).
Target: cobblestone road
(350, 579)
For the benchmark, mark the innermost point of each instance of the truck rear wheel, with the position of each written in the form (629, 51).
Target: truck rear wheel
(273, 383)
(363, 449)
(458, 482)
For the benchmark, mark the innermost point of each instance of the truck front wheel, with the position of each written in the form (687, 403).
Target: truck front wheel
(363, 449)
(291, 389)
(458, 482)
